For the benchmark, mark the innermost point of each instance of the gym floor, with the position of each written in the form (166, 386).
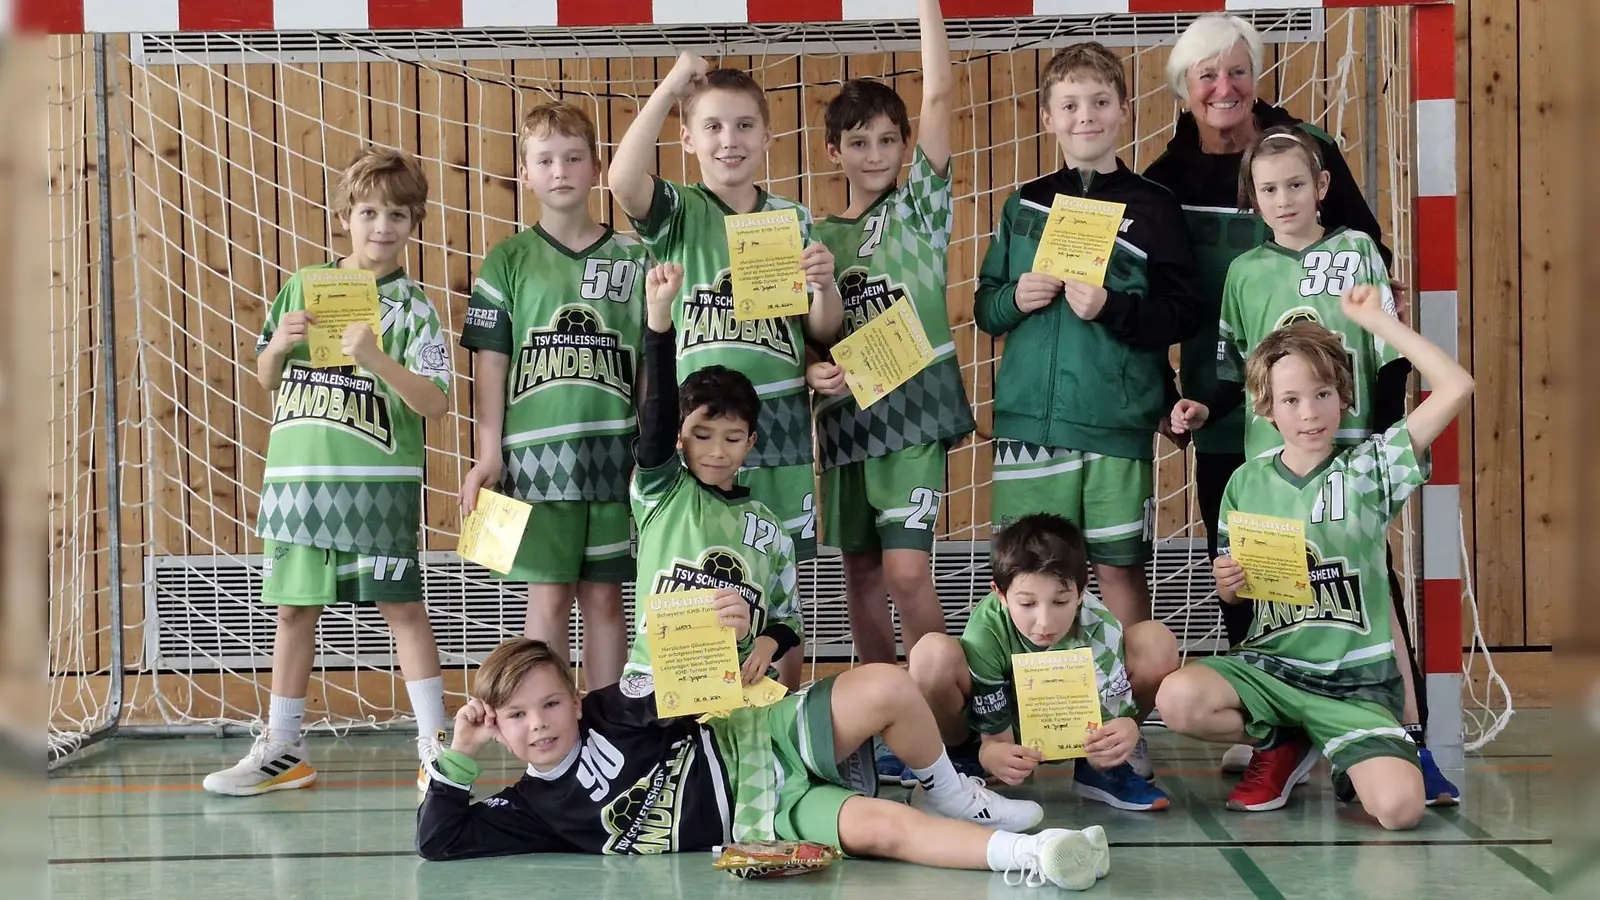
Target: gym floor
(130, 821)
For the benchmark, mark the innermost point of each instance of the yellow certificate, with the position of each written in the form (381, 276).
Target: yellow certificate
(764, 253)
(492, 532)
(696, 661)
(884, 353)
(1058, 701)
(338, 297)
(1077, 239)
(763, 693)
(1272, 553)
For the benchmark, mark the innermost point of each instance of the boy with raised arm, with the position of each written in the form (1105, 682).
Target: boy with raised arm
(1322, 678)
(1084, 380)
(883, 467)
(1041, 603)
(725, 126)
(341, 500)
(607, 775)
(698, 527)
(554, 326)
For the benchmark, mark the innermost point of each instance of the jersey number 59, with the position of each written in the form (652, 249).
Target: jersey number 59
(609, 279)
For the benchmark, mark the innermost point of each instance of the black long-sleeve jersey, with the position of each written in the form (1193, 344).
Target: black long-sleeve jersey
(634, 784)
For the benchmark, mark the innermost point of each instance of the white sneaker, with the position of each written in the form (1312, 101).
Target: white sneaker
(1055, 856)
(1102, 850)
(1140, 760)
(429, 746)
(981, 805)
(269, 766)
(1237, 759)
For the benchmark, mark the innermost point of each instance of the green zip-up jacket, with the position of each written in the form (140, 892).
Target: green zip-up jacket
(1099, 386)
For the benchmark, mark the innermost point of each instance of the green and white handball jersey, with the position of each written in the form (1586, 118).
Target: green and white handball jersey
(693, 538)
(1270, 287)
(896, 249)
(991, 639)
(345, 458)
(1340, 646)
(571, 322)
(685, 226)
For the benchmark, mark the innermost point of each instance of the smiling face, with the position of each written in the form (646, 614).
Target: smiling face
(871, 155)
(1305, 408)
(715, 448)
(560, 170)
(728, 135)
(1042, 607)
(378, 233)
(538, 723)
(1086, 115)
(1222, 90)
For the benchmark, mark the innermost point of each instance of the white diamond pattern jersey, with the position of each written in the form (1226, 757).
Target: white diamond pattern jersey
(345, 457)
(571, 323)
(898, 248)
(1340, 646)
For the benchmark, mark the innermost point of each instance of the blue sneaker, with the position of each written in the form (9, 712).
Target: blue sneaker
(1438, 789)
(890, 769)
(965, 759)
(1120, 788)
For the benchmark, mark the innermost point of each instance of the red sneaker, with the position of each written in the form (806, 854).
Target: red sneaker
(1272, 775)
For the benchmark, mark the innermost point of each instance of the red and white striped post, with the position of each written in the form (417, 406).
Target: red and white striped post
(1433, 79)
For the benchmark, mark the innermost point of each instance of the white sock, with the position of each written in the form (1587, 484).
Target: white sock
(427, 704)
(1002, 850)
(940, 779)
(284, 718)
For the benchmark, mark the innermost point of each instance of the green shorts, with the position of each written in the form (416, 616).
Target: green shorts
(1112, 499)
(575, 540)
(885, 503)
(297, 575)
(790, 492)
(1346, 731)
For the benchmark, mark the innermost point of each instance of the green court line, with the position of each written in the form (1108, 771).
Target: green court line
(1243, 866)
(1525, 866)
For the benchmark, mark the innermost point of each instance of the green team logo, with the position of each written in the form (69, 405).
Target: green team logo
(866, 297)
(336, 397)
(576, 348)
(1335, 600)
(644, 818)
(716, 569)
(708, 321)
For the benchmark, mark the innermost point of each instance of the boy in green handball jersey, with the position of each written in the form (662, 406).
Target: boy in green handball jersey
(1322, 678)
(1040, 603)
(699, 528)
(554, 326)
(341, 498)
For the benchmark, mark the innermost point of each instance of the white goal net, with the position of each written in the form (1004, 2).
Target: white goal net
(222, 150)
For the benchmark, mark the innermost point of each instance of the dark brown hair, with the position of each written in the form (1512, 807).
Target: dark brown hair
(859, 102)
(1276, 141)
(1039, 544)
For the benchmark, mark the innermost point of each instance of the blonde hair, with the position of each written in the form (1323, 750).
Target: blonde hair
(1208, 37)
(1320, 348)
(1090, 58)
(393, 175)
(556, 118)
(510, 664)
(1276, 141)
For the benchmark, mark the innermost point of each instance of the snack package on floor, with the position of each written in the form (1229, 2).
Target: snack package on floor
(773, 859)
